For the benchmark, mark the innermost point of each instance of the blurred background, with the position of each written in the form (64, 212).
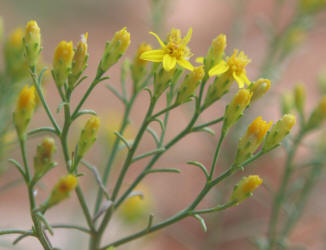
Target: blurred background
(250, 25)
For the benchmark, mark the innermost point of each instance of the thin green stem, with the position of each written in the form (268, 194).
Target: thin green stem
(204, 125)
(15, 231)
(213, 166)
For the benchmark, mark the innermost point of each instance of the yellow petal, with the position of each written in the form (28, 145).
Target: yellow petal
(169, 62)
(158, 39)
(245, 78)
(153, 55)
(200, 59)
(239, 80)
(185, 64)
(219, 68)
(187, 38)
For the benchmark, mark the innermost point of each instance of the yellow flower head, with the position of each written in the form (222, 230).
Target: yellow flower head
(88, 135)
(234, 67)
(24, 109)
(62, 61)
(215, 53)
(143, 47)
(258, 128)
(279, 131)
(172, 53)
(32, 42)
(245, 187)
(259, 88)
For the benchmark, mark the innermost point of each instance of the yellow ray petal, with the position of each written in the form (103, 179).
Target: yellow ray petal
(187, 38)
(219, 68)
(169, 62)
(158, 39)
(153, 55)
(185, 64)
(200, 59)
(245, 78)
(239, 80)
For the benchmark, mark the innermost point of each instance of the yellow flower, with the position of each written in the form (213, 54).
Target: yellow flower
(88, 135)
(189, 85)
(279, 131)
(172, 53)
(254, 136)
(62, 61)
(24, 109)
(259, 88)
(245, 187)
(32, 42)
(234, 68)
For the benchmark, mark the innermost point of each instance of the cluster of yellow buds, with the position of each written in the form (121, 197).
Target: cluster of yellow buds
(61, 191)
(189, 85)
(43, 158)
(115, 49)
(24, 110)
(88, 135)
(245, 187)
(279, 131)
(62, 62)
(32, 43)
(138, 67)
(235, 109)
(250, 142)
(79, 61)
(317, 116)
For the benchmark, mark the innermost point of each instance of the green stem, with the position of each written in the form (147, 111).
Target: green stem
(204, 125)
(15, 231)
(216, 155)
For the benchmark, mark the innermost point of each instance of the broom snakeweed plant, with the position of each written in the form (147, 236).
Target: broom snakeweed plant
(170, 63)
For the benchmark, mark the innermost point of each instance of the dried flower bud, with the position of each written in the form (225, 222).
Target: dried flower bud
(215, 52)
(32, 43)
(259, 88)
(62, 62)
(317, 116)
(115, 49)
(249, 143)
(24, 110)
(279, 131)
(43, 158)
(235, 109)
(79, 62)
(88, 135)
(300, 97)
(245, 187)
(189, 85)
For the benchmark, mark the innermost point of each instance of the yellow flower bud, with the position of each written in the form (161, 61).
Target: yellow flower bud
(216, 52)
(88, 135)
(62, 61)
(138, 68)
(24, 109)
(322, 81)
(79, 62)
(245, 187)
(295, 37)
(32, 43)
(318, 115)
(115, 49)
(249, 143)
(61, 190)
(279, 131)
(235, 109)
(287, 103)
(1, 29)
(310, 6)
(300, 97)
(259, 88)
(190, 84)
(162, 80)
(43, 158)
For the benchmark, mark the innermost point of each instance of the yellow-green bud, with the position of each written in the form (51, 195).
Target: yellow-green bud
(1, 29)
(162, 80)
(62, 62)
(317, 116)
(24, 110)
(217, 89)
(300, 97)
(189, 85)
(310, 6)
(61, 190)
(138, 68)
(79, 62)
(279, 131)
(32, 43)
(115, 49)
(322, 81)
(287, 103)
(259, 88)
(88, 135)
(43, 158)
(295, 37)
(249, 143)
(245, 187)
(215, 52)
(235, 109)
